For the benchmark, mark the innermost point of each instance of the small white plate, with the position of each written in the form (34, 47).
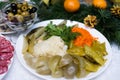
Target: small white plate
(11, 61)
(93, 31)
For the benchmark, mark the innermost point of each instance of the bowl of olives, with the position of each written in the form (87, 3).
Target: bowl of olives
(20, 15)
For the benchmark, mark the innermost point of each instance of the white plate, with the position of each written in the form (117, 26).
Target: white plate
(93, 31)
(9, 66)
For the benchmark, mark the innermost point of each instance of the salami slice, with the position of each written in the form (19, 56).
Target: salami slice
(3, 69)
(5, 45)
(6, 56)
(4, 62)
(7, 49)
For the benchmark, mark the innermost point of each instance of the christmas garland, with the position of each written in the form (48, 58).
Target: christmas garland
(107, 20)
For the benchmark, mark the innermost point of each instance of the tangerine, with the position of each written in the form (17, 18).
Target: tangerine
(71, 5)
(100, 4)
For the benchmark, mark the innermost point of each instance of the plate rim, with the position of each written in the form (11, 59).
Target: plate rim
(60, 20)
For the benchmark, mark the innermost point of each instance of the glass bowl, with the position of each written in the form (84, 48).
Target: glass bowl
(19, 16)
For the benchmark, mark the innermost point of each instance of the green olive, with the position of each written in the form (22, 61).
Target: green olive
(19, 5)
(10, 16)
(30, 7)
(19, 17)
(25, 13)
(24, 8)
(19, 11)
(25, 3)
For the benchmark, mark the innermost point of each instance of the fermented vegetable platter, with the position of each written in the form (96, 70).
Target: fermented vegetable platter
(63, 49)
(6, 55)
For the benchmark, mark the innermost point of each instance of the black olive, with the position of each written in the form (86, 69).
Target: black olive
(14, 11)
(13, 5)
(33, 10)
(29, 10)
(7, 11)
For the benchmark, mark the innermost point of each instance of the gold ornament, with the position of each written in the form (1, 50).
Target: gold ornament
(90, 21)
(115, 10)
(116, 2)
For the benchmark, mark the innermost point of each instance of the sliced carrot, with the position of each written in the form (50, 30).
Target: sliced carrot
(84, 39)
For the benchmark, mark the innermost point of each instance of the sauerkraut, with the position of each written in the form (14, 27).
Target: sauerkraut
(50, 47)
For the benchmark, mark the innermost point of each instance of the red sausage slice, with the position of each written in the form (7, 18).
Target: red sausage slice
(6, 56)
(3, 69)
(4, 62)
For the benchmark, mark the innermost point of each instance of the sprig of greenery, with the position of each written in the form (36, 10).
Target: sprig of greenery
(63, 31)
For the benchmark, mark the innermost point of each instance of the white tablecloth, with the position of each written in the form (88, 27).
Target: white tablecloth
(18, 72)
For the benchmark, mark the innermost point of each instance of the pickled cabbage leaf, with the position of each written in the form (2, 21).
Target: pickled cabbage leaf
(58, 73)
(30, 59)
(70, 70)
(92, 54)
(41, 65)
(90, 66)
(33, 37)
(65, 60)
(99, 48)
(81, 72)
(53, 63)
(37, 32)
(76, 50)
